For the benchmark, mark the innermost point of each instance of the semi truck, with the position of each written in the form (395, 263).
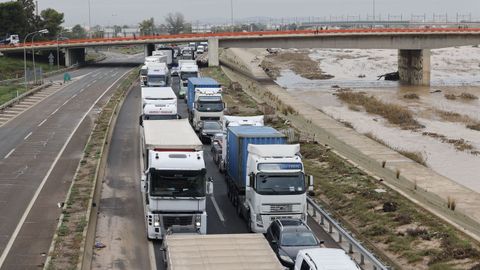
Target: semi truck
(204, 101)
(186, 69)
(265, 176)
(219, 251)
(233, 121)
(156, 59)
(167, 51)
(173, 181)
(143, 75)
(158, 103)
(157, 75)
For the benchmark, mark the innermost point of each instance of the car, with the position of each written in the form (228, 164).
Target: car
(288, 236)
(174, 71)
(324, 258)
(208, 129)
(216, 148)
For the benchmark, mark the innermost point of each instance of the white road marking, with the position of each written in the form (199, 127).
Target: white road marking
(66, 101)
(43, 122)
(9, 153)
(40, 187)
(219, 212)
(55, 111)
(74, 96)
(28, 135)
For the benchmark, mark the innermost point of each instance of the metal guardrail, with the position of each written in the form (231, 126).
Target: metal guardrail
(22, 96)
(366, 259)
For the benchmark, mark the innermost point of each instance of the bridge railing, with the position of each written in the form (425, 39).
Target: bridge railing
(354, 248)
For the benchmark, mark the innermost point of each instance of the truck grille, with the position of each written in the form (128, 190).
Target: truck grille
(209, 118)
(169, 221)
(281, 208)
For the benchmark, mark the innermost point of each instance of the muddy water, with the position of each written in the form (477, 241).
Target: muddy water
(454, 71)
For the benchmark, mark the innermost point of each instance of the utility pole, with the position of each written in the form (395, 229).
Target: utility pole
(89, 20)
(231, 13)
(373, 10)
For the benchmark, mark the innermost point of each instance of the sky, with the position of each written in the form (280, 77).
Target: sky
(131, 12)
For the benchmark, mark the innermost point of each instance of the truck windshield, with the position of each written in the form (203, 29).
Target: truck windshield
(177, 183)
(143, 72)
(157, 80)
(159, 117)
(280, 184)
(215, 106)
(185, 75)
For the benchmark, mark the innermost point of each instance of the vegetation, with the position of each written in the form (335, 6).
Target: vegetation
(175, 23)
(11, 67)
(411, 96)
(395, 114)
(468, 96)
(8, 92)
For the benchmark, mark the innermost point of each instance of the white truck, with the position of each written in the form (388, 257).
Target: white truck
(143, 75)
(158, 75)
(235, 121)
(265, 176)
(167, 51)
(174, 179)
(219, 251)
(186, 69)
(208, 106)
(11, 40)
(158, 103)
(324, 258)
(156, 59)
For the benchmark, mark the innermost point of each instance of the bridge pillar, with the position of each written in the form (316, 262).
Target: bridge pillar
(74, 56)
(414, 66)
(213, 52)
(149, 48)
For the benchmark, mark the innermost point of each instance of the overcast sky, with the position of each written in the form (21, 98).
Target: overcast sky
(130, 12)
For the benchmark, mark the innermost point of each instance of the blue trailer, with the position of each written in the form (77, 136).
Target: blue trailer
(238, 139)
(193, 83)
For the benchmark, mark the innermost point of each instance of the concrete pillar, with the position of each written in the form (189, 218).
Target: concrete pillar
(149, 48)
(74, 56)
(414, 66)
(213, 52)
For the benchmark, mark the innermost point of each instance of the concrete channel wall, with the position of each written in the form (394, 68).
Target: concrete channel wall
(418, 183)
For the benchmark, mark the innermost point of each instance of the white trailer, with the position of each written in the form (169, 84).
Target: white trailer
(156, 59)
(186, 69)
(158, 103)
(219, 251)
(143, 75)
(158, 75)
(174, 179)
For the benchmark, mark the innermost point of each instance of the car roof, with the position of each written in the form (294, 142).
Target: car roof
(328, 258)
(295, 225)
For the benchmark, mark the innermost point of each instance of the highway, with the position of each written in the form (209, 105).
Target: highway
(39, 152)
(121, 224)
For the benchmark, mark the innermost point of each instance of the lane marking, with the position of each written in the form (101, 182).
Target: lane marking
(28, 135)
(66, 101)
(9, 153)
(219, 212)
(55, 111)
(40, 187)
(43, 122)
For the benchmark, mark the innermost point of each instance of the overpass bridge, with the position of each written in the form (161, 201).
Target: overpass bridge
(413, 45)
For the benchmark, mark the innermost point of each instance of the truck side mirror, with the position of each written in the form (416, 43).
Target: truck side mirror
(140, 120)
(210, 186)
(179, 116)
(143, 183)
(251, 179)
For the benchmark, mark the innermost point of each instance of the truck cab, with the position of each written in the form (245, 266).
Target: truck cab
(187, 69)
(158, 103)
(11, 40)
(174, 181)
(157, 75)
(143, 75)
(208, 106)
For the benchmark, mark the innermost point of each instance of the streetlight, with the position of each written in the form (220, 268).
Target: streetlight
(58, 48)
(89, 20)
(231, 14)
(43, 31)
(373, 10)
(25, 53)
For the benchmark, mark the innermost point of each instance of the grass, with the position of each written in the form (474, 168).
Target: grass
(69, 240)
(411, 96)
(395, 114)
(130, 50)
(8, 92)
(415, 156)
(468, 96)
(12, 68)
(450, 96)
(474, 126)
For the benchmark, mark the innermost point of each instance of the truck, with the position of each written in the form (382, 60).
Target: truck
(173, 182)
(156, 59)
(204, 101)
(265, 176)
(334, 258)
(187, 69)
(233, 121)
(188, 53)
(11, 40)
(158, 75)
(143, 75)
(219, 251)
(169, 52)
(158, 103)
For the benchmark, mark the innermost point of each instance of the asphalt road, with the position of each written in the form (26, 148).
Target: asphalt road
(39, 153)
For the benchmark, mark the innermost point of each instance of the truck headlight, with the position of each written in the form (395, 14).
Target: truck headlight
(156, 224)
(259, 220)
(156, 221)
(198, 221)
(286, 259)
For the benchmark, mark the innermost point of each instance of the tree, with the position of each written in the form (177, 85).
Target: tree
(51, 20)
(147, 27)
(116, 30)
(78, 32)
(176, 23)
(12, 19)
(31, 18)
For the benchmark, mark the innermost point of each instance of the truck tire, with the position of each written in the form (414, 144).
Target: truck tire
(249, 223)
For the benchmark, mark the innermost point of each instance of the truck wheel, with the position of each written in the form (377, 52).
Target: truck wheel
(249, 223)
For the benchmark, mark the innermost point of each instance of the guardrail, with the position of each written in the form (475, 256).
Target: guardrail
(354, 248)
(22, 96)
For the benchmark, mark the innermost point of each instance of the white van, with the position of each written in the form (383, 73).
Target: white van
(324, 258)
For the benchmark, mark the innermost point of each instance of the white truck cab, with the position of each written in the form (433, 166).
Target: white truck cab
(158, 75)
(143, 75)
(323, 259)
(11, 40)
(187, 69)
(208, 106)
(158, 103)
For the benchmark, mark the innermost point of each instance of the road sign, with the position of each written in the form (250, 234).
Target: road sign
(50, 59)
